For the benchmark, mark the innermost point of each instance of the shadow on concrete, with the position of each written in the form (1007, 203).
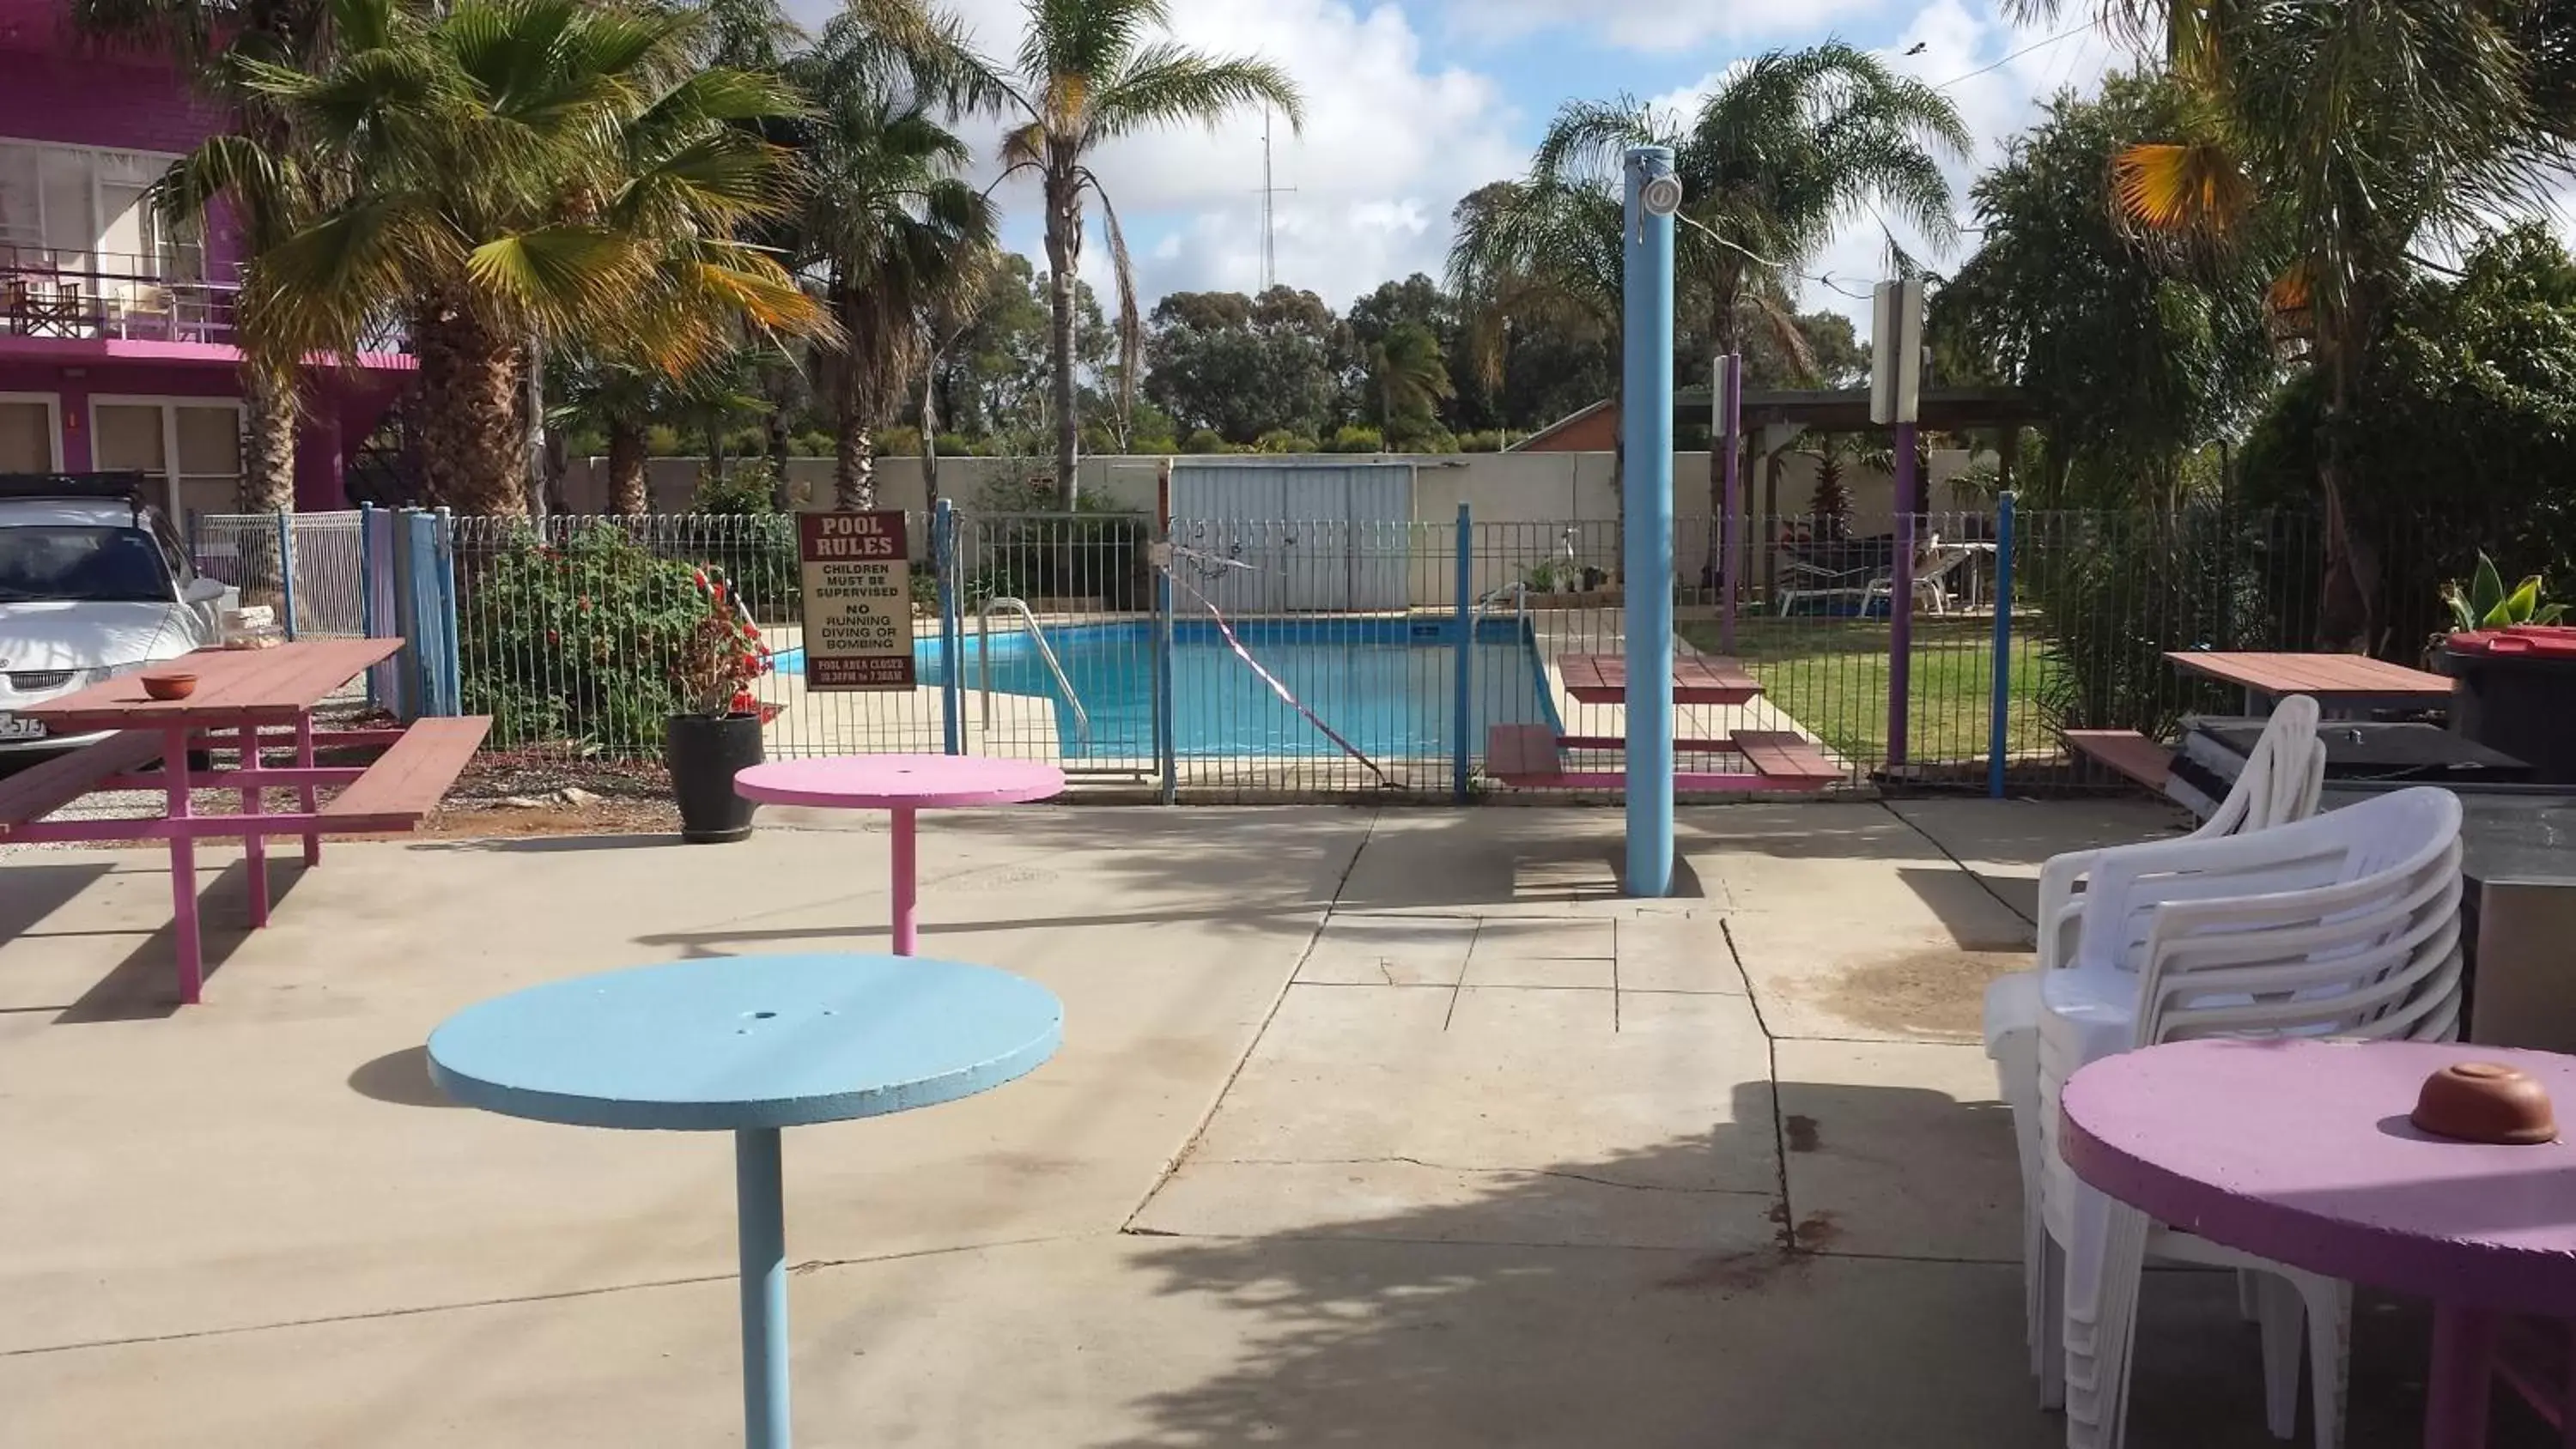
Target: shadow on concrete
(1979, 914)
(401, 1078)
(38, 888)
(550, 844)
(145, 985)
(1447, 1325)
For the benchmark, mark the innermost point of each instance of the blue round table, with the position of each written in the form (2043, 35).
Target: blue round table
(747, 1045)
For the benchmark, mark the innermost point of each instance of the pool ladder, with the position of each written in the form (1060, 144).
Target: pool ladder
(1515, 591)
(1046, 653)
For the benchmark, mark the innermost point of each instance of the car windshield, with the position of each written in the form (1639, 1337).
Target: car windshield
(81, 564)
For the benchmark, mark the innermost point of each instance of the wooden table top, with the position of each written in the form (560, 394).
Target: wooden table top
(741, 1042)
(234, 686)
(2325, 676)
(899, 782)
(1697, 679)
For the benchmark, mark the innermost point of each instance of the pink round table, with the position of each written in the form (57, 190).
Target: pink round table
(2301, 1152)
(900, 784)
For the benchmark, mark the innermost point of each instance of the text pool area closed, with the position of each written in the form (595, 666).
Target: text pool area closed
(1386, 685)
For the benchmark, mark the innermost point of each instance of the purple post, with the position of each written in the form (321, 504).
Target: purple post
(1730, 427)
(1900, 599)
(183, 871)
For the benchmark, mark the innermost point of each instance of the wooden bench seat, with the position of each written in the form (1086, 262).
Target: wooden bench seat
(1533, 757)
(406, 783)
(2125, 752)
(41, 789)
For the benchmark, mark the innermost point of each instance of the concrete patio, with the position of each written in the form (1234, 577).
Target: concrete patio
(1372, 1127)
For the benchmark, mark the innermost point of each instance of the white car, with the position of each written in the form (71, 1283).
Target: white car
(93, 583)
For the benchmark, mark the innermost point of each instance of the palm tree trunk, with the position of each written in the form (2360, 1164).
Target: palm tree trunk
(469, 399)
(628, 494)
(1063, 246)
(854, 469)
(268, 474)
(930, 431)
(2347, 614)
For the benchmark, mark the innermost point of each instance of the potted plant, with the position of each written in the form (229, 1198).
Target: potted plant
(718, 733)
(2514, 671)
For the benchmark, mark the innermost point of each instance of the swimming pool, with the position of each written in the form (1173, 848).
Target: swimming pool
(1386, 685)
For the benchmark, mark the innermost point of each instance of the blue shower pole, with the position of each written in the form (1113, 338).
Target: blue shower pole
(1646, 517)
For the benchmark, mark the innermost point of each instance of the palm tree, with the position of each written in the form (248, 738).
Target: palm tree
(1788, 147)
(207, 39)
(1546, 247)
(520, 172)
(2348, 135)
(896, 235)
(1409, 377)
(1086, 74)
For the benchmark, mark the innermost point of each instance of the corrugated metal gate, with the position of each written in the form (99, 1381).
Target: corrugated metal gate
(1271, 538)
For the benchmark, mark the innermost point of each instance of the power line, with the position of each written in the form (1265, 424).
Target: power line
(2018, 54)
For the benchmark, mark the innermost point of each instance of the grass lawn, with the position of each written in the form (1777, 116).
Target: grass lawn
(1831, 676)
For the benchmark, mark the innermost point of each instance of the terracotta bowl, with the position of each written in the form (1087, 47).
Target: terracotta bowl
(2486, 1102)
(169, 686)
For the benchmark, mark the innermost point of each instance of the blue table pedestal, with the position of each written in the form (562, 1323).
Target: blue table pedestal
(763, 1229)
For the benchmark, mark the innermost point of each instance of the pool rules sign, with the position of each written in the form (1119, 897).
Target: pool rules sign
(858, 600)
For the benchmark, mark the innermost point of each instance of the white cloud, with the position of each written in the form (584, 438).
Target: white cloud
(1392, 138)
(1656, 25)
(1997, 103)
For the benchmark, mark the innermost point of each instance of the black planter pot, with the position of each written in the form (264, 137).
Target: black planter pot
(2521, 704)
(704, 752)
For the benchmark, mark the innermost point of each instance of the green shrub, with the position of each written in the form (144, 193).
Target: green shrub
(1282, 440)
(1484, 441)
(581, 643)
(2118, 590)
(1354, 438)
(752, 487)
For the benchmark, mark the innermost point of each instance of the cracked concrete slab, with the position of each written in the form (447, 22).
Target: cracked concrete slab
(1910, 965)
(1359, 950)
(1678, 953)
(279, 1153)
(1899, 1149)
(1662, 1091)
(2004, 842)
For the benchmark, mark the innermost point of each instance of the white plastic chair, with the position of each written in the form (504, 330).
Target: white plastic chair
(2283, 778)
(2352, 930)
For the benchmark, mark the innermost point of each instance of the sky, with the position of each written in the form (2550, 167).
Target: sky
(1410, 104)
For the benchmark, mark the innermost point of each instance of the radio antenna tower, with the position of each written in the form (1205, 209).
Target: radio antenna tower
(1269, 235)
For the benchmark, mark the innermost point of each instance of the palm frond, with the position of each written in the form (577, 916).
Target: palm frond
(1167, 84)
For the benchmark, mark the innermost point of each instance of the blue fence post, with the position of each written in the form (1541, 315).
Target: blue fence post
(1167, 750)
(1462, 716)
(1998, 727)
(451, 682)
(952, 686)
(367, 589)
(286, 569)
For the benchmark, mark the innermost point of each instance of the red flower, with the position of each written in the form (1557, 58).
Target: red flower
(717, 589)
(744, 703)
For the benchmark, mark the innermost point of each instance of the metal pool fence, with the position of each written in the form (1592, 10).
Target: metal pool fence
(318, 593)
(1264, 658)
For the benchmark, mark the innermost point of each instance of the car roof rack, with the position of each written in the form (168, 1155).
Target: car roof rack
(128, 488)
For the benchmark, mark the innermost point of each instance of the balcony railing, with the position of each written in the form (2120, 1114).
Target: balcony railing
(53, 292)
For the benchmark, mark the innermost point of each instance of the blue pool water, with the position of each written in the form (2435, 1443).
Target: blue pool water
(1386, 685)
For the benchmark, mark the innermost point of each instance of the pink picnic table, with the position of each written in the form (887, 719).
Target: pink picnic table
(240, 694)
(2301, 1152)
(900, 785)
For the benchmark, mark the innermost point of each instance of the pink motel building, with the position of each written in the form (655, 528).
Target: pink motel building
(116, 341)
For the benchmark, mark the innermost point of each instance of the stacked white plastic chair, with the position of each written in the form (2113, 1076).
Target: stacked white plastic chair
(2345, 924)
(2283, 778)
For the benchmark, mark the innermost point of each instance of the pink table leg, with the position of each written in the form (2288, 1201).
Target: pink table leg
(904, 935)
(2462, 1379)
(254, 846)
(183, 870)
(304, 761)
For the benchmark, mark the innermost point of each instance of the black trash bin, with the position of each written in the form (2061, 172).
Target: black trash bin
(2514, 690)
